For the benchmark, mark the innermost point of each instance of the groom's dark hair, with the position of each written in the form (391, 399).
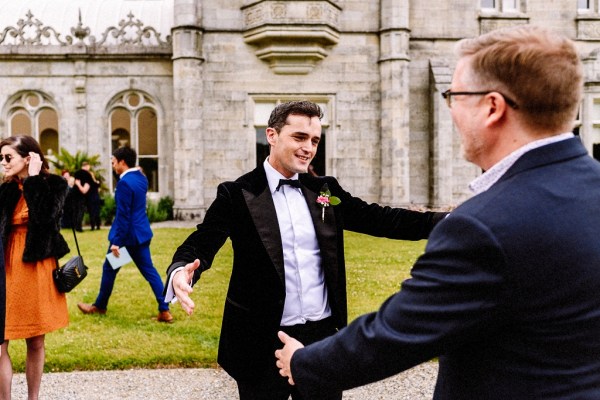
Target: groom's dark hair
(281, 112)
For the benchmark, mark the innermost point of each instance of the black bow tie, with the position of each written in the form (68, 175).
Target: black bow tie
(292, 182)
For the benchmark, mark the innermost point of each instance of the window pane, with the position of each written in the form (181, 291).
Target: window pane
(149, 167)
(33, 100)
(262, 146)
(262, 111)
(596, 110)
(120, 125)
(49, 142)
(488, 4)
(120, 138)
(509, 5)
(147, 132)
(48, 128)
(318, 163)
(133, 100)
(47, 119)
(583, 4)
(20, 124)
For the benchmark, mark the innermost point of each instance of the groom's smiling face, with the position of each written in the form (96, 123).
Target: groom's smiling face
(294, 147)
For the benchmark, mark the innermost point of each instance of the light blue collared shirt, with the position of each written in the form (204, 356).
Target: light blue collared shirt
(492, 175)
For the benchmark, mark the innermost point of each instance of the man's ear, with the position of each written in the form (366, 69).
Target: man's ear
(497, 108)
(271, 136)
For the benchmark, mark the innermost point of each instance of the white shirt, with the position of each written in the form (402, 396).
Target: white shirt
(127, 171)
(491, 176)
(305, 290)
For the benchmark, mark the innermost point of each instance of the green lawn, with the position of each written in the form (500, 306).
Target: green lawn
(127, 337)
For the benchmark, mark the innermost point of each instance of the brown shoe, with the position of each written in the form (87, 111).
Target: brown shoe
(165, 316)
(90, 309)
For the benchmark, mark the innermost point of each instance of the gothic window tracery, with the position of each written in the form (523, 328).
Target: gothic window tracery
(34, 113)
(133, 120)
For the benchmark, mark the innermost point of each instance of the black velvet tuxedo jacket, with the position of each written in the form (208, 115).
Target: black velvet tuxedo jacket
(507, 294)
(244, 211)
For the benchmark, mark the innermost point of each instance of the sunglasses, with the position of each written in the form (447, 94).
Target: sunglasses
(6, 157)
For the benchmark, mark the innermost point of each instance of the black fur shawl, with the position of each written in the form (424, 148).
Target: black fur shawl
(45, 197)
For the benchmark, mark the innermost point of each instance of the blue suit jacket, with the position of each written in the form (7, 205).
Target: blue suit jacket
(131, 226)
(507, 294)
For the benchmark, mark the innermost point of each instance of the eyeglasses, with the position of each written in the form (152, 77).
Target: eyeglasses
(6, 157)
(447, 95)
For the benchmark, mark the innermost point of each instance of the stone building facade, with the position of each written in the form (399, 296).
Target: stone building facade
(190, 84)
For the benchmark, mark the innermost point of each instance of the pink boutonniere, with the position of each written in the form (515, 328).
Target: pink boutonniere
(325, 199)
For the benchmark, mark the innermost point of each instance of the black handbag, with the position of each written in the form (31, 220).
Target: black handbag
(72, 273)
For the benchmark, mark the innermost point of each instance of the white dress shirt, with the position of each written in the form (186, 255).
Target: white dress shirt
(305, 290)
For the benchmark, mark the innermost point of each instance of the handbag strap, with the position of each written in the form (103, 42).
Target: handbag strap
(76, 243)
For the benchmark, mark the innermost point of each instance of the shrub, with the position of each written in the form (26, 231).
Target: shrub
(108, 209)
(155, 214)
(166, 204)
(157, 211)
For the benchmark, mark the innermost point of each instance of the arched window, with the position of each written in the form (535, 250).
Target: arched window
(33, 113)
(134, 122)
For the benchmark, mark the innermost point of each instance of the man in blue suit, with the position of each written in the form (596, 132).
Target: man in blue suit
(131, 229)
(507, 293)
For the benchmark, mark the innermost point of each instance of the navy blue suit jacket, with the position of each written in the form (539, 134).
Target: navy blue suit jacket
(507, 294)
(131, 226)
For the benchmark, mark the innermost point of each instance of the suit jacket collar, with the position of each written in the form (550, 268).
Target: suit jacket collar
(548, 154)
(257, 195)
(128, 171)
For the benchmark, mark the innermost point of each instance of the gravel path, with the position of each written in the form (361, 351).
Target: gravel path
(200, 384)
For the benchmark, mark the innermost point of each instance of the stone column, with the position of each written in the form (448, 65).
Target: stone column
(81, 133)
(395, 136)
(441, 160)
(187, 111)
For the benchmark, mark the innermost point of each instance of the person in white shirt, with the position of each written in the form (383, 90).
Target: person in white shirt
(286, 228)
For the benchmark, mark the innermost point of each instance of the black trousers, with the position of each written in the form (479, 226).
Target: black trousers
(272, 386)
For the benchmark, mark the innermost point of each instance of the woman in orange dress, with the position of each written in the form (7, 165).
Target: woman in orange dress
(31, 204)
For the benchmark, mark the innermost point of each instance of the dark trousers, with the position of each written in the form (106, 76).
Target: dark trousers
(93, 208)
(272, 386)
(141, 257)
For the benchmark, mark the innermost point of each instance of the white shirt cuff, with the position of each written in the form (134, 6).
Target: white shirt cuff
(170, 293)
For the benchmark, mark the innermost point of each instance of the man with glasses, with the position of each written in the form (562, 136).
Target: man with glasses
(507, 291)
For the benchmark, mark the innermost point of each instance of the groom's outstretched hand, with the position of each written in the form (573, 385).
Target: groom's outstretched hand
(182, 286)
(284, 355)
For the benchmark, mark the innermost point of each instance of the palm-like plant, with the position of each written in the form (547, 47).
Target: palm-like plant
(72, 162)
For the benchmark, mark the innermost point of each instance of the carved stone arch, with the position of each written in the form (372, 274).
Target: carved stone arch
(33, 112)
(135, 119)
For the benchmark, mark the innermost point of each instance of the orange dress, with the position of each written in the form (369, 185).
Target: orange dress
(33, 304)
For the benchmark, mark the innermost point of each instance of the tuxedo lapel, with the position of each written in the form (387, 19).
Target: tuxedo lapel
(326, 232)
(262, 211)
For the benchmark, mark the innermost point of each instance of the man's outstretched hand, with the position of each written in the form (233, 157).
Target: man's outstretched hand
(182, 286)
(284, 355)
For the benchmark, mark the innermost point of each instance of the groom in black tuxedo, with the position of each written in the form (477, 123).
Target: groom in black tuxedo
(288, 265)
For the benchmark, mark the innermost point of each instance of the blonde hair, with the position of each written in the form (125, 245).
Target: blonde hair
(538, 69)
